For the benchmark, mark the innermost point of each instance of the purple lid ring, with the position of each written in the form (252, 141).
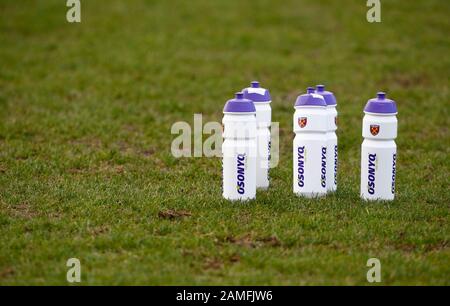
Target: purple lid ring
(239, 105)
(328, 96)
(256, 93)
(310, 99)
(381, 105)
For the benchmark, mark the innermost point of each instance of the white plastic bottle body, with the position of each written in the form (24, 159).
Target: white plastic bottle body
(332, 161)
(310, 152)
(378, 169)
(378, 157)
(239, 169)
(263, 122)
(239, 157)
(332, 149)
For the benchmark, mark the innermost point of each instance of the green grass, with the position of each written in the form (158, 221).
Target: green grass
(85, 162)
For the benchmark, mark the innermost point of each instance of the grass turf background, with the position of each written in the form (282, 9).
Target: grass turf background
(85, 162)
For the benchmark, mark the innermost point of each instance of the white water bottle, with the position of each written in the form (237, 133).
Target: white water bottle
(379, 151)
(261, 99)
(239, 149)
(310, 145)
(332, 140)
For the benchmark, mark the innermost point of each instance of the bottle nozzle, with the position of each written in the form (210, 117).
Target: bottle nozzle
(239, 95)
(320, 88)
(381, 95)
(255, 84)
(310, 90)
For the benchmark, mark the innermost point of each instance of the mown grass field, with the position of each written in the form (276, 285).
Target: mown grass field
(86, 169)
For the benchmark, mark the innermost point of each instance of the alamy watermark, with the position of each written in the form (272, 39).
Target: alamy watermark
(73, 15)
(73, 275)
(74, 12)
(374, 273)
(374, 13)
(190, 141)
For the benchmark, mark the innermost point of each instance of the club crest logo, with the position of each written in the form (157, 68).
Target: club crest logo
(302, 121)
(374, 129)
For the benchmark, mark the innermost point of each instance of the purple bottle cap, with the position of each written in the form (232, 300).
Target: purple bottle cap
(381, 105)
(239, 105)
(256, 93)
(310, 99)
(328, 96)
